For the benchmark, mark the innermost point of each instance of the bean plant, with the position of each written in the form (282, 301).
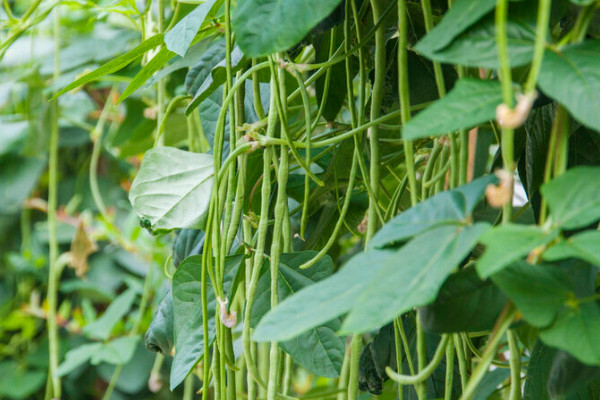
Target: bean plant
(316, 199)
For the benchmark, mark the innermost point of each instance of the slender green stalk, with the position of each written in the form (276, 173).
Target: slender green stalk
(515, 365)
(462, 362)
(437, 68)
(373, 134)
(276, 247)
(449, 371)
(405, 98)
(355, 350)
(541, 31)
(501, 327)
(188, 387)
(54, 267)
(507, 96)
(307, 161)
(344, 375)
(338, 225)
(421, 358)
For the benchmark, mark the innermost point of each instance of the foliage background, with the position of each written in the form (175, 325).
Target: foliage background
(171, 92)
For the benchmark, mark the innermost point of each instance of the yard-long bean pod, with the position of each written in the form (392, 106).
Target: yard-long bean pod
(425, 372)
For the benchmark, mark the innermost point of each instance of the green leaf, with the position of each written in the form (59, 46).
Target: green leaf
(567, 375)
(266, 26)
(187, 308)
(573, 197)
(539, 291)
(188, 242)
(576, 330)
(571, 76)
(320, 350)
(200, 71)
(536, 380)
(173, 188)
(115, 64)
(118, 351)
(459, 17)
(489, 384)
(584, 245)
(103, 326)
(147, 71)
(77, 357)
(577, 326)
(446, 208)
(465, 304)
(17, 382)
(208, 77)
(508, 243)
(18, 177)
(13, 134)
(159, 336)
(332, 297)
(476, 47)
(413, 278)
(180, 37)
(469, 103)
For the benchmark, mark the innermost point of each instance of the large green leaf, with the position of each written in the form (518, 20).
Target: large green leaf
(266, 26)
(116, 64)
(584, 245)
(320, 350)
(413, 278)
(332, 297)
(188, 242)
(469, 103)
(576, 330)
(159, 336)
(476, 47)
(204, 78)
(446, 208)
(539, 291)
(508, 243)
(187, 308)
(173, 188)
(573, 197)
(571, 76)
(180, 37)
(465, 304)
(461, 16)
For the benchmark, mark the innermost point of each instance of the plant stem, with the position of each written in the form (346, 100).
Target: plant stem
(54, 267)
(373, 134)
(449, 371)
(355, 350)
(501, 327)
(541, 31)
(405, 98)
(515, 365)
(507, 97)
